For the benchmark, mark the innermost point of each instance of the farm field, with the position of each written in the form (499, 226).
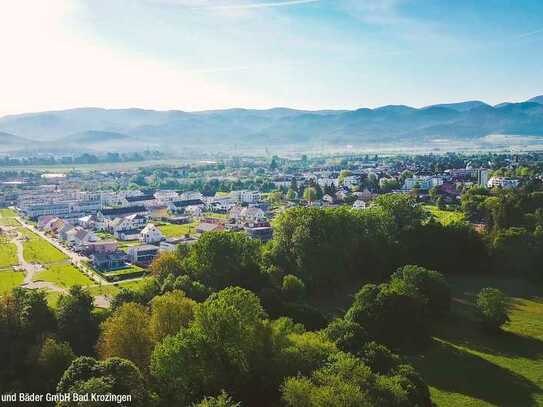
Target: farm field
(466, 367)
(63, 275)
(171, 230)
(38, 250)
(9, 280)
(444, 217)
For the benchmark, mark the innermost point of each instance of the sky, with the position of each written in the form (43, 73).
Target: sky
(309, 54)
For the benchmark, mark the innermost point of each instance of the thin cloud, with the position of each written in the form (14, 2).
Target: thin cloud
(257, 5)
(529, 34)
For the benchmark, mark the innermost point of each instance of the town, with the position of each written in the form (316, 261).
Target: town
(111, 225)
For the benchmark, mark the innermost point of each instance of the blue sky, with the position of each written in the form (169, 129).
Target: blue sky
(204, 54)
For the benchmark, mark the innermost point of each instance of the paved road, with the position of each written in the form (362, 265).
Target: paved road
(79, 261)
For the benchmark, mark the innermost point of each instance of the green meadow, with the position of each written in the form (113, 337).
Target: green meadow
(467, 367)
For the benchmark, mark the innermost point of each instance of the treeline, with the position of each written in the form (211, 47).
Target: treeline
(228, 320)
(513, 220)
(85, 158)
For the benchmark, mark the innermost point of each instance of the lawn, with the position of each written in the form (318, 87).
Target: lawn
(466, 367)
(38, 250)
(64, 275)
(8, 222)
(9, 280)
(8, 254)
(171, 230)
(7, 213)
(445, 217)
(111, 290)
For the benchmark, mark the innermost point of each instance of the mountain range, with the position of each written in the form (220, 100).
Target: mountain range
(96, 129)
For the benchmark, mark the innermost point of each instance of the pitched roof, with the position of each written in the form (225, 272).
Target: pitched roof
(140, 198)
(187, 202)
(123, 211)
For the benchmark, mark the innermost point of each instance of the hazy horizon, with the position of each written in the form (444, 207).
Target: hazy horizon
(195, 55)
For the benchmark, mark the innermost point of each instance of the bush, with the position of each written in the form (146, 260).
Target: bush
(427, 285)
(492, 307)
(292, 288)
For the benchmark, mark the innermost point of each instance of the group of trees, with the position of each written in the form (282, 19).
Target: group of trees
(229, 320)
(514, 223)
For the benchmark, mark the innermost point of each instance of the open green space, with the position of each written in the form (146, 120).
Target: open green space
(467, 367)
(443, 216)
(112, 289)
(171, 230)
(39, 250)
(8, 222)
(8, 254)
(9, 280)
(63, 275)
(7, 213)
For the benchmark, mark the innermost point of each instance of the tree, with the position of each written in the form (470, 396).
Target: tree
(76, 323)
(292, 288)
(492, 308)
(222, 259)
(222, 349)
(222, 400)
(126, 334)
(342, 175)
(310, 194)
(169, 313)
(403, 209)
(427, 285)
(53, 360)
(379, 358)
(348, 336)
(166, 264)
(390, 317)
(111, 376)
(275, 197)
(291, 195)
(347, 381)
(330, 248)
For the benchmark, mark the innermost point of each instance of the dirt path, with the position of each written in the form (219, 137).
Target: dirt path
(30, 269)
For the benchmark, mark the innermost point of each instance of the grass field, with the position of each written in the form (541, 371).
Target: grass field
(38, 250)
(171, 230)
(111, 289)
(8, 255)
(7, 213)
(9, 280)
(8, 222)
(466, 367)
(445, 217)
(64, 275)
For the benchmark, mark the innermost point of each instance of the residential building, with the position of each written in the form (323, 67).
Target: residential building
(503, 182)
(142, 255)
(150, 234)
(245, 196)
(263, 233)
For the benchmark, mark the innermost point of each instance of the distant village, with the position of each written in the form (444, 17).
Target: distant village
(121, 220)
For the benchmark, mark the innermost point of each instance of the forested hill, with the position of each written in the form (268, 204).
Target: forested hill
(279, 126)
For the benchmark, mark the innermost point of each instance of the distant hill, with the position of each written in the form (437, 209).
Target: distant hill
(9, 142)
(95, 137)
(129, 129)
(462, 106)
(537, 99)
